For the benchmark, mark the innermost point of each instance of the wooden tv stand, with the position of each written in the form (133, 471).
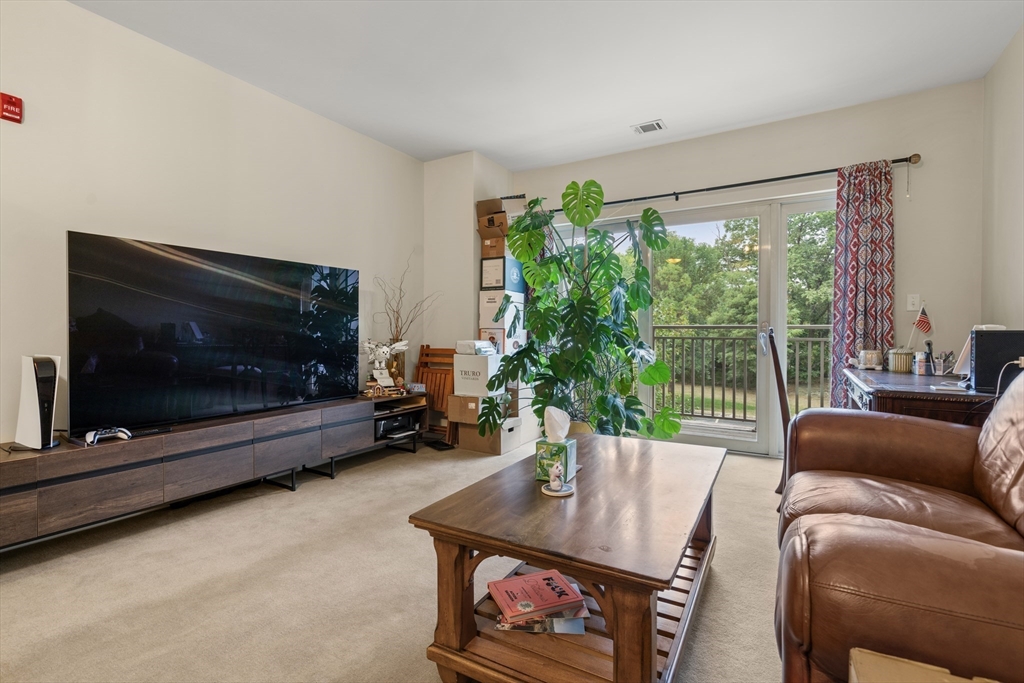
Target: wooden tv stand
(70, 486)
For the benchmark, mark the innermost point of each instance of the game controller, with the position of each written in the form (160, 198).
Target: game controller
(94, 436)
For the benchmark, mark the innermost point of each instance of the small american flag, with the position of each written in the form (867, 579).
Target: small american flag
(923, 323)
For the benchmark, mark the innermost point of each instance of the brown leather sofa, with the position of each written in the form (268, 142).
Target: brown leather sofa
(904, 536)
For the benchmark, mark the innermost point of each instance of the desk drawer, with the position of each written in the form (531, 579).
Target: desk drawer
(84, 501)
(858, 399)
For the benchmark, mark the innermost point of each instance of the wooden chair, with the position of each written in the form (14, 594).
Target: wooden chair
(780, 384)
(436, 369)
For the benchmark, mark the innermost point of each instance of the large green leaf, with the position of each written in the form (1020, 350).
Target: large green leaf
(618, 301)
(635, 349)
(537, 274)
(527, 244)
(580, 320)
(543, 322)
(518, 366)
(606, 270)
(634, 413)
(492, 414)
(667, 423)
(657, 372)
(582, 203)
(652, 227)
(640, 289)
(634, 240)
(612, 407)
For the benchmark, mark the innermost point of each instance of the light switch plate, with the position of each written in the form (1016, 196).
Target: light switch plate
(913, 302)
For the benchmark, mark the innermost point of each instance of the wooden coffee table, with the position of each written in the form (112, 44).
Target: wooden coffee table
(636, 537)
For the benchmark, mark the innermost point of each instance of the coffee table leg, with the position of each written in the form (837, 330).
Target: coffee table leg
(634, 634)
(456, 625)
(450, 676)
(705, 530)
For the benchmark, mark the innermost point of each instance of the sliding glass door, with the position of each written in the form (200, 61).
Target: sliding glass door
(728, 275)
(711, 302)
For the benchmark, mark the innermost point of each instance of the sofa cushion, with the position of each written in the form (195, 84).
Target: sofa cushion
(827, 492)
(854, 581)
(999, 468)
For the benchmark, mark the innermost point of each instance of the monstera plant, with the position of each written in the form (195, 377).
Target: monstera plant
(585, 353)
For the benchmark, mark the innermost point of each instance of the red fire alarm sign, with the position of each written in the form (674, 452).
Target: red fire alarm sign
(11, 107)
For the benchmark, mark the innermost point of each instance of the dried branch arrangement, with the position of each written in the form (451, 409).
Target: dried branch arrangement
(400, 320)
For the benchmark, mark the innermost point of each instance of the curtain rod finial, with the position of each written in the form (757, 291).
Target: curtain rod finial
(915, 159)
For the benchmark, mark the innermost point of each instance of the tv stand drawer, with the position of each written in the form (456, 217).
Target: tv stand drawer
(347, 438)
(192, 475)
(17, 517)
(288, 452)
(74, 503)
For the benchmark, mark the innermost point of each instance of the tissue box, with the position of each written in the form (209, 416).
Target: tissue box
(549, 453)
(474, 347)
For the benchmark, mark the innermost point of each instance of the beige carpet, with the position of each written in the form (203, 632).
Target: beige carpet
(329, 583)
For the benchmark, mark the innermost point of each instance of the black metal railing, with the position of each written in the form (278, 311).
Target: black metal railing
(714, 369)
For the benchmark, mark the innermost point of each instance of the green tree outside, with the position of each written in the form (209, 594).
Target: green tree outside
(697, 283)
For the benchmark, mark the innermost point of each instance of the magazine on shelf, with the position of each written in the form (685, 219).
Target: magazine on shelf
(566, 622)
(534, 595)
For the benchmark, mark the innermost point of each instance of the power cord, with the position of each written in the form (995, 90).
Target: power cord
(999, 384)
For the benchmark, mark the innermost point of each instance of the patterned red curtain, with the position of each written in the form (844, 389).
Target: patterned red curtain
(862, 293)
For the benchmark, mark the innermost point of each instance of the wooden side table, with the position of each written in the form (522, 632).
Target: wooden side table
(901, 393)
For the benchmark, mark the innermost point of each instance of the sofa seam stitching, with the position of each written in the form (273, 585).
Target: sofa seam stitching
(906, 603)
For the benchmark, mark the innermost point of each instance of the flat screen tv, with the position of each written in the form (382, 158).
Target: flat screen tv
(162, 335)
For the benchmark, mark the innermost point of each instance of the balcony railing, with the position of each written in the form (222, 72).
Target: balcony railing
(714, 373)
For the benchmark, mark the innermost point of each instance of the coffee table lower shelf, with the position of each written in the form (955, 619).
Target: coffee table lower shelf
(506, 656)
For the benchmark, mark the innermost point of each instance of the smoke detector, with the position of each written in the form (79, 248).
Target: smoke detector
(649, 127)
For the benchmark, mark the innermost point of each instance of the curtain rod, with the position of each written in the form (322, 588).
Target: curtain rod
(912, 159)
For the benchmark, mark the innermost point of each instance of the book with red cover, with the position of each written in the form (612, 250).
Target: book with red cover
(534, 595)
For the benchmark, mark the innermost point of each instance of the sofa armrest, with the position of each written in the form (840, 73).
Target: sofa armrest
(847, 581)
(896, 446)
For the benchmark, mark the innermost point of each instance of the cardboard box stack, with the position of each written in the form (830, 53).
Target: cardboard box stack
(472, 372)
(500, 274)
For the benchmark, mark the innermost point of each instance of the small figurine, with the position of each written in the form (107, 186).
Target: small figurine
(556, 472)
(380, 352)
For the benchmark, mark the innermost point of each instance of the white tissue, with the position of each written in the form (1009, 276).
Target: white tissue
(556, 424)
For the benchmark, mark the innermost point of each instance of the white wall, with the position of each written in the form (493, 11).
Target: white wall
(451, 188)
(938, 231)
(126, 137)
(1003, 213)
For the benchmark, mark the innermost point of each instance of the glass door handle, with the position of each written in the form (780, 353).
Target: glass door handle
(764, 339)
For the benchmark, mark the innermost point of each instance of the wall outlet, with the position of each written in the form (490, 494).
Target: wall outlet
(913, 302)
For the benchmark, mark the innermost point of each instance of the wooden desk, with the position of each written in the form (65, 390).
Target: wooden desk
(636, 537)
(909, 394)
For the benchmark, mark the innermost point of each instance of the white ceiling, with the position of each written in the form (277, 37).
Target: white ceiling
(531, 84)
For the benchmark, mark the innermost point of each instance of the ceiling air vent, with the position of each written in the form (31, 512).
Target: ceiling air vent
(649, 127)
